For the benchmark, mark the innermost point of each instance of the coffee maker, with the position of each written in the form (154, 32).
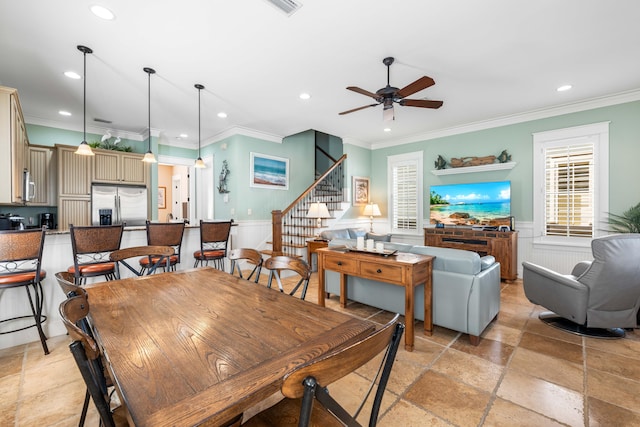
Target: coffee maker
(47, 220)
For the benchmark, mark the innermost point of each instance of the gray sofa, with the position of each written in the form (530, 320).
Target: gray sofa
(466, 288)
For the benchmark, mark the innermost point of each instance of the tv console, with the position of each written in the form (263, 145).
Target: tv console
(503, 245)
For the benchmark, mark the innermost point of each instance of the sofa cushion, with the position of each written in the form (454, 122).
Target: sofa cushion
(379, 237)
(354, 233)
(338, 233)
(452, 260)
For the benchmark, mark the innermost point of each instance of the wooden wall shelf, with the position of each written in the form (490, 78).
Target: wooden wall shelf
(469, 169)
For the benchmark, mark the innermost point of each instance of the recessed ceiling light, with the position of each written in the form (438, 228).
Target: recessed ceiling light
(64, 113)
(563, 88)
(102, 12)
(387, 129)
(72, 75)
(222, 115)
(184, 135)
(305, 96)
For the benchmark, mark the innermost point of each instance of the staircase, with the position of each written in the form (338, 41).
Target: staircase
(291, 228)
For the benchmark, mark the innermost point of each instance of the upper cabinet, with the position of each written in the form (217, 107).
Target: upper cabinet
(42, 165)
(14, 142)
(117, 167)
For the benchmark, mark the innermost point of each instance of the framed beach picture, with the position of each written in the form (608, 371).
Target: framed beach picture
(162, 195)
(269, 172)
(360, 188)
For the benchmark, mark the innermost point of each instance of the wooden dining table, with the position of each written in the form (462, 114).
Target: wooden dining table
(200, 346)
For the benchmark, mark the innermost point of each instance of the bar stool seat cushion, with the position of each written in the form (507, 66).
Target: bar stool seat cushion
(94, 269)
(173, 260)
(19, 279)
(209, 254)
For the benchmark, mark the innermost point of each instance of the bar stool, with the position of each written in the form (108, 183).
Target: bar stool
(20, 265)
(91, 249)
(214, 238)
(164, 234)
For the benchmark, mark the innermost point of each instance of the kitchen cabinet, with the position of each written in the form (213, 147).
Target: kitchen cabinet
(74, 187)
(14, 146)
(42, 165)
(118, 167)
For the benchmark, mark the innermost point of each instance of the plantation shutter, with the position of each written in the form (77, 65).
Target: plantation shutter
(569, 190)
(405, 196)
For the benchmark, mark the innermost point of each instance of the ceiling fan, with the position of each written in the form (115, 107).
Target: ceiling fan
(389, 94)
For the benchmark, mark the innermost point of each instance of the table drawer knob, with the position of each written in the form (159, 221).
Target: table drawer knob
(378, 271)
(339, 262)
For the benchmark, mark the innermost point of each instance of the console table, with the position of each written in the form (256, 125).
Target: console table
(402, 269)
(502, 245)
(312, 247)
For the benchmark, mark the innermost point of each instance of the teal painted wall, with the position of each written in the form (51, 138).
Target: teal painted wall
(359, 164)
(299, 149)
(624, 152)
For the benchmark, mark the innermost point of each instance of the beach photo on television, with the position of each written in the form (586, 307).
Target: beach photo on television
(483, 203)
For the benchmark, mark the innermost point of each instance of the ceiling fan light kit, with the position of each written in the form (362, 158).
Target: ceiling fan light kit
(389, 95)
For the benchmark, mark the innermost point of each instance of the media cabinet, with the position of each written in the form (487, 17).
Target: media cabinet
(503, 245)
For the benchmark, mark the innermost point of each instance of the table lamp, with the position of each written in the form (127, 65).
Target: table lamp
(372, 210)
(318, 210)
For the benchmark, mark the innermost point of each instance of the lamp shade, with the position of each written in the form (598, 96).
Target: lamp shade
(371, 209)
(318, 210)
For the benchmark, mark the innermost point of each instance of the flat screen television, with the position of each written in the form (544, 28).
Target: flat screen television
(476, 203)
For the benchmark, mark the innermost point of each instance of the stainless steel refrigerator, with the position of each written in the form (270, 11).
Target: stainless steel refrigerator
(128, 203)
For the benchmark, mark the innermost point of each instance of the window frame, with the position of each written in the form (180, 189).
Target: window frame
(598, 134)
(393, 162)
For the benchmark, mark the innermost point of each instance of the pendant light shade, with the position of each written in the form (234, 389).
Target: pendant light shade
(199, 162)
(84, 149)
(149, 157)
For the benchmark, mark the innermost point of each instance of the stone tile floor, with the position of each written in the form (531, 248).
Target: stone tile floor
(523, 373)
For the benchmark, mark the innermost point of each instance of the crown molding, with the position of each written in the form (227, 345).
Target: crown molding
(238, 130)
(590, 104)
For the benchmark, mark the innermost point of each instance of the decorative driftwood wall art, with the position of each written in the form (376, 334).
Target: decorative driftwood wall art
(462, 162)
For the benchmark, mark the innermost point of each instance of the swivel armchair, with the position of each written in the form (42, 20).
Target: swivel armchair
(599, 298)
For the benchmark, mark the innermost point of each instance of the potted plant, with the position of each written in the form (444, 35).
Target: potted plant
(628, 222)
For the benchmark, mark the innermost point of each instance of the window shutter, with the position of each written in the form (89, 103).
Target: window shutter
(569, 190)
(405, 196)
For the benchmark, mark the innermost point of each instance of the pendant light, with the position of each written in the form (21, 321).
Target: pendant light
(149, 157)
(199, 162)
(84, 149)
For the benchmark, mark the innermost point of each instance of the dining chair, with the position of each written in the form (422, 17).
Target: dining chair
(20, 266)
(157, 256)
(91, 247)
(86, 354)
(214, 239)
(307, 398)
(164, 234)
(66, 281)
(250, 255)
(276, 264)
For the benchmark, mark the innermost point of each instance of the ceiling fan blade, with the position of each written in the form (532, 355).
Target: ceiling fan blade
(364, 92)
(422, 103)
(422, 83)
(357, 109)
